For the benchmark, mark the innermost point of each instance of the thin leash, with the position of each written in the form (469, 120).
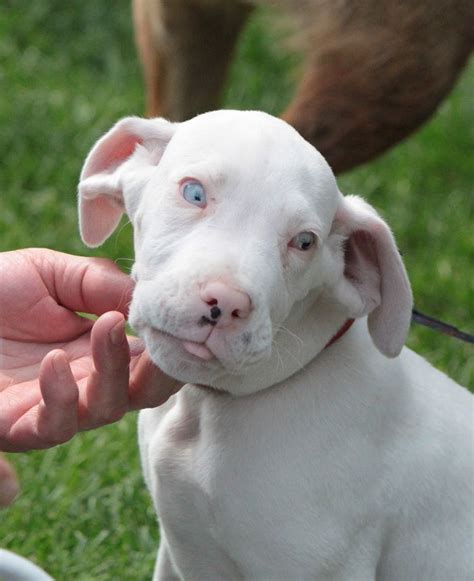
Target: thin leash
(432, 323)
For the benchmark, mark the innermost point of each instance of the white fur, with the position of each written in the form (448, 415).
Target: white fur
(281, 459)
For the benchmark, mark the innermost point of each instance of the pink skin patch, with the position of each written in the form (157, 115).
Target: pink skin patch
(199, 350)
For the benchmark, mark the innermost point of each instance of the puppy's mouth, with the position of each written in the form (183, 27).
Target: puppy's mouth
(200, 350)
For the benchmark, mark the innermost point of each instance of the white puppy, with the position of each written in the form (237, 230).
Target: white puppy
(301, 448)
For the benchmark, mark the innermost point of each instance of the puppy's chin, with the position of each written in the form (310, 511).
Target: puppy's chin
(169, 355)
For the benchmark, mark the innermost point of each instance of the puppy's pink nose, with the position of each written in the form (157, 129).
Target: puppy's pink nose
(225, 303)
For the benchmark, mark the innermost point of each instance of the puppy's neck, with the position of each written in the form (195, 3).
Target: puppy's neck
(312, 325)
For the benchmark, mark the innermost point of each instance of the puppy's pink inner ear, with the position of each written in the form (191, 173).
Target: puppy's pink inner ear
(362, 267)
(104, 175)
(101, 205)
(115, 150)
(374, 282)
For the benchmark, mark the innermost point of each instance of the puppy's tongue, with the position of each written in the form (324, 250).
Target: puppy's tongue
(199, 350)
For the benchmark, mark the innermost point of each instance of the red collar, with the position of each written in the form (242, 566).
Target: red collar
(347, 325)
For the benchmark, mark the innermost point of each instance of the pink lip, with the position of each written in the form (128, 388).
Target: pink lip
(199, 350)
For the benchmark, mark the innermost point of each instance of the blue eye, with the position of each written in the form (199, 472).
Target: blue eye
(193, 192)
(303, 241)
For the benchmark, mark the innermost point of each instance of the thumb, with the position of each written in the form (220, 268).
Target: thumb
(149, 386)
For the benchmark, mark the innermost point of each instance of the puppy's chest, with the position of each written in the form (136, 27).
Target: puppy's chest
(202, 464)
(218, 478)
(230, 482)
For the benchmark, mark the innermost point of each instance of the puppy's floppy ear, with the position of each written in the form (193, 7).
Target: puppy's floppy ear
(111, 167)
(374, 282)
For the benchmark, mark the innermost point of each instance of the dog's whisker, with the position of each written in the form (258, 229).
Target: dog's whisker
(291, 334)
(119, 262)
(294, 356)
(277, 352)
(124, 258)
(299, 346)
(120, 232)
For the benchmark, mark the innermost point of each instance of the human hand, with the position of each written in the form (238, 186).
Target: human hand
(8, 483)
(61, 373)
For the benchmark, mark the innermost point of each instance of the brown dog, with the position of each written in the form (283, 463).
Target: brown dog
(375, 69)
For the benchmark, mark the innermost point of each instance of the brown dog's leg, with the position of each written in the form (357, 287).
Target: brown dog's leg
(186, 47)
(376, 71)
(146, 18)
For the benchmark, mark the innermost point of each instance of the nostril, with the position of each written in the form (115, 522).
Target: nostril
(225, 303)
(215, 312)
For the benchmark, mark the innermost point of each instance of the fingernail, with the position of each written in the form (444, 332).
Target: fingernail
(137, 346)
(8, 490)
(59, 364)
(117, 333)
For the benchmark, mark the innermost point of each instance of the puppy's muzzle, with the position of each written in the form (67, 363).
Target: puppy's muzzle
(227, 304)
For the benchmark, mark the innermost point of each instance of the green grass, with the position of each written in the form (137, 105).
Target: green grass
(67, 72)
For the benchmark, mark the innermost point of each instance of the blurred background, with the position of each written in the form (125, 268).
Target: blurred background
(68, 71)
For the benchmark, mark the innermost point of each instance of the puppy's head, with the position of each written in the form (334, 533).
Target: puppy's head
(247, 257)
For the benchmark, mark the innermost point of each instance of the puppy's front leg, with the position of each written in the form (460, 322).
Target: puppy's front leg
(185, 48)
(164, 568)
